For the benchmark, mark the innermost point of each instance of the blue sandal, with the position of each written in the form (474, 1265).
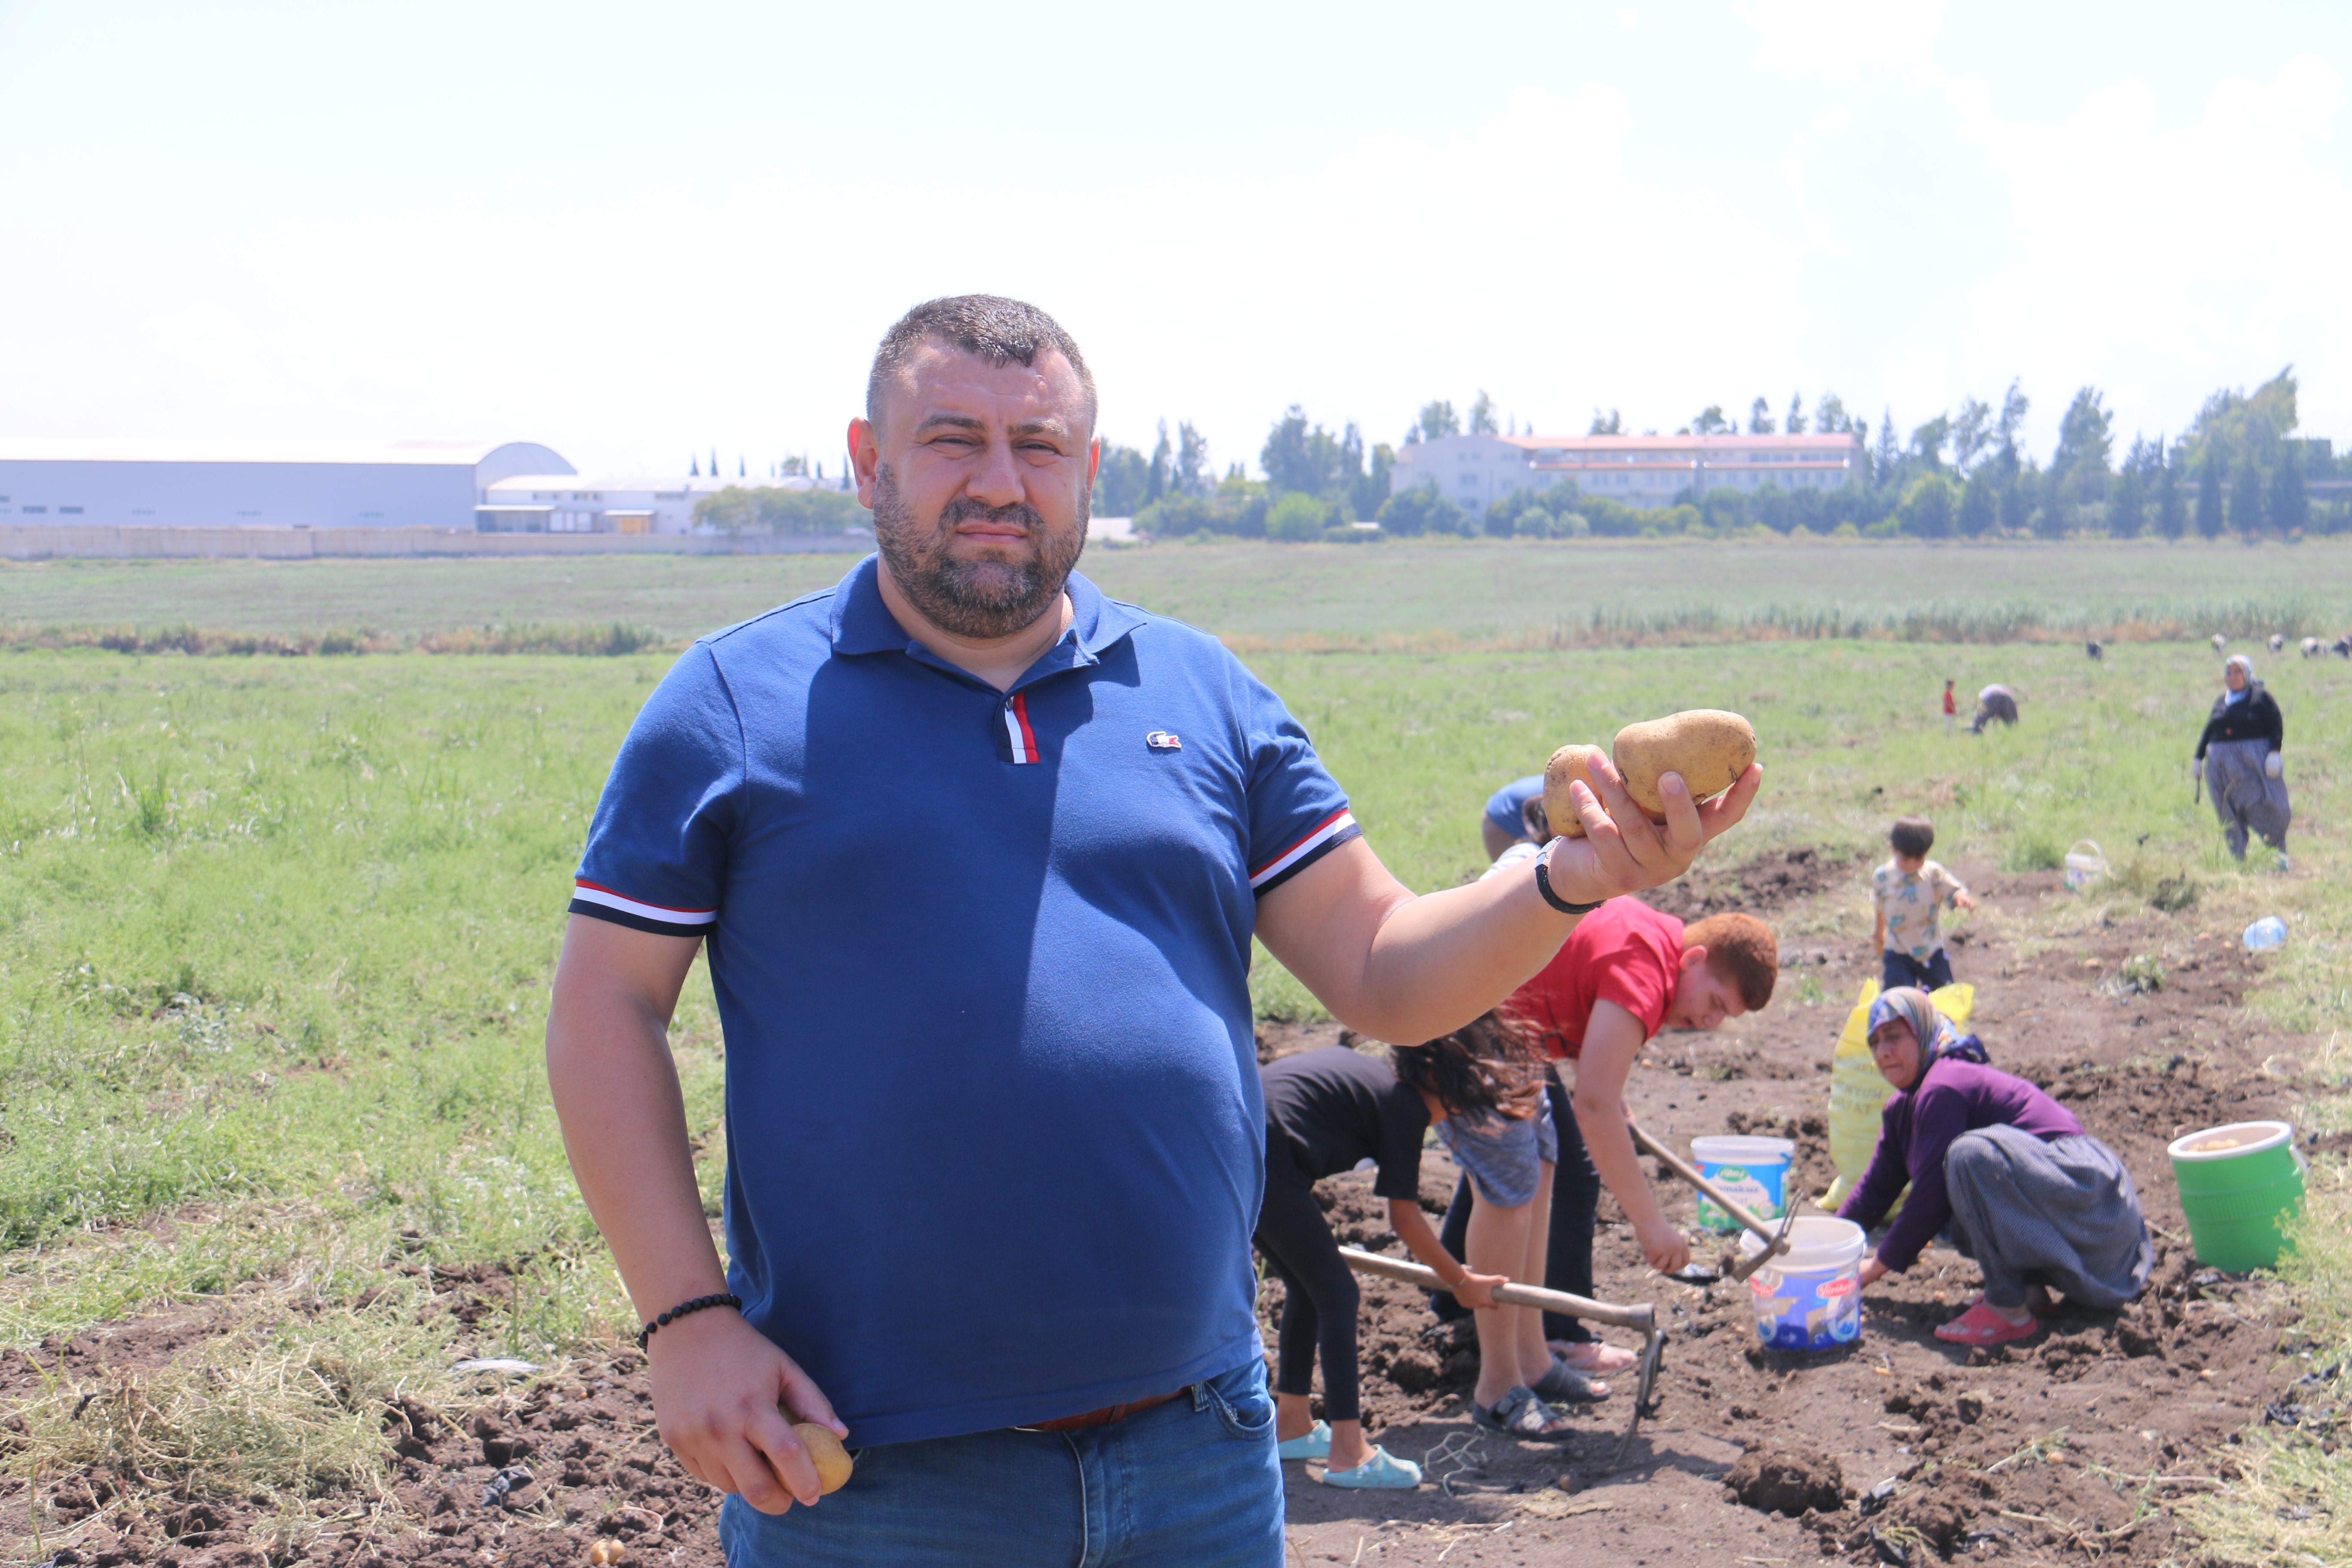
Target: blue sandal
(1316, 1444)
(1563, 1384)
(1383, 1471)
(1521, 1413)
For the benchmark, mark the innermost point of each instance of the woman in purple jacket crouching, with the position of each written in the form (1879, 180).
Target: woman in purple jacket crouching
(2039, 1204)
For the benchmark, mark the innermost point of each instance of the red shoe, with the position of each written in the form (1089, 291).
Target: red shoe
(1980, 1325)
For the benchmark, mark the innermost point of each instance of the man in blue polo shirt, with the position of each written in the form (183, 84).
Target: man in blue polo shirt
(977, 855)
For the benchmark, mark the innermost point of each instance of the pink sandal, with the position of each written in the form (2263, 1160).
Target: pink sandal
(1592, 1357)
(1980, 1325)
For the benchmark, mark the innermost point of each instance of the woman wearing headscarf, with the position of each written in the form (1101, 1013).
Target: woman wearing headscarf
(2239, 752)
(2039, 1204)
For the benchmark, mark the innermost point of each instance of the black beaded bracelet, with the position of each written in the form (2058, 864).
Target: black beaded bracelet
(1543, 886)
(727, 1300)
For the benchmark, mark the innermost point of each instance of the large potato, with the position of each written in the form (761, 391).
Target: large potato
(1709, 747)
(1566, 766)
(832, 1459)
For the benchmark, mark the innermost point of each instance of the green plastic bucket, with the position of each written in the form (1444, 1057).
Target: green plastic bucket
(2237, 1184)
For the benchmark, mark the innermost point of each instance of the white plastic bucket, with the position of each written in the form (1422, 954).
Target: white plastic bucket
(2083, 868)
(1809, 1297)
(1753, 1170)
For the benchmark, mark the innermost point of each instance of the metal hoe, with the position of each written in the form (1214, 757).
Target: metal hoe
(1775, 1241)
(1643, 1319)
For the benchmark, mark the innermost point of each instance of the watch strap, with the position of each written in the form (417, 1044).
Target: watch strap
(1543, 886)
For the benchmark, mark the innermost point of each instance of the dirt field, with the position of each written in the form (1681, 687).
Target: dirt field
(2067, 1449)
(2064, 1448)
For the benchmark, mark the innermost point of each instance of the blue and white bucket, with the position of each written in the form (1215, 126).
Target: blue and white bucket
(1809, 1297)
(1755, 1170)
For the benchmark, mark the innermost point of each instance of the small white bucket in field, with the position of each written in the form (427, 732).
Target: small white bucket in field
(2084, 864)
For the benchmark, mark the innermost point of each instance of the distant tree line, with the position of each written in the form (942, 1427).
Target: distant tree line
(777, 509)
(2239, 468)
(1317, 484)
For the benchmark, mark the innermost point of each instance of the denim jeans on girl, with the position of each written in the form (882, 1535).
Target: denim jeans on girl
(1193, 1483)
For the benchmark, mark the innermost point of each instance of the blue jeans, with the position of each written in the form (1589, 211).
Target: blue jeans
(1901, 969)
(1193, 1483)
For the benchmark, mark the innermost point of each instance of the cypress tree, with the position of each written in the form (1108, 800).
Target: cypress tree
(2246, 500)
(2209, 498)
(2290, 506)
(2171, 515)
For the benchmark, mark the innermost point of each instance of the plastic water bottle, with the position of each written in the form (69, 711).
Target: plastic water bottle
(2266, 933)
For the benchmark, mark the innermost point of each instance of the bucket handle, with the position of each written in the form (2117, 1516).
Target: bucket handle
(2097, 853)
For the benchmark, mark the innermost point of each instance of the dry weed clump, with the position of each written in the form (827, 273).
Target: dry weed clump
(282, 1413)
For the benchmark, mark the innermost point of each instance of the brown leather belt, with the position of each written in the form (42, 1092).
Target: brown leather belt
(1106, 1417)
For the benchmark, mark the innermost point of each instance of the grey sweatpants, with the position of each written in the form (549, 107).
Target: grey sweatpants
(2245, 798)
(2062, 1215)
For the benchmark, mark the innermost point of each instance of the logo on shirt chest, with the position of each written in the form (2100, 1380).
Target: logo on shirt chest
(1163, 740)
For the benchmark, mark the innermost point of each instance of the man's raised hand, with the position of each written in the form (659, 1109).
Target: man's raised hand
(1622, 850)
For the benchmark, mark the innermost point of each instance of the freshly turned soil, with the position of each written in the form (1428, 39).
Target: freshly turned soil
(1898, 1443)
(1786, 1480)
(2162, 1389)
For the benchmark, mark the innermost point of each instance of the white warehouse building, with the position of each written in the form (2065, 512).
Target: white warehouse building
(286, 484)
(1475, 471)
(576, 503)
(581, 503)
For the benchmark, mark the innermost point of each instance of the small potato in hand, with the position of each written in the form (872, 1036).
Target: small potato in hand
(825, 1450)
(1708, 747)
(1568, 764)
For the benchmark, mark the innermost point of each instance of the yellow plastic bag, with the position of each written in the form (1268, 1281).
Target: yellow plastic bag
(1858, 1090)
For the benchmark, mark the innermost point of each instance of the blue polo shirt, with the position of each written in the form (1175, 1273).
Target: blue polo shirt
(994, 1125)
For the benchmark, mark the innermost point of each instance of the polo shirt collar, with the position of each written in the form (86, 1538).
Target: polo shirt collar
(862, 623)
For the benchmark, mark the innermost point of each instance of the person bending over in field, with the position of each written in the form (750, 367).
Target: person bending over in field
(1626, 972)
(1995, 704)
(2036, 1201)
(1508, 1152)
(1326, 1112)
(1505, 823)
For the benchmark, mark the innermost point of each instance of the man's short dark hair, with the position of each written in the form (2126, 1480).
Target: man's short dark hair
(1913, 836)
(998, 329)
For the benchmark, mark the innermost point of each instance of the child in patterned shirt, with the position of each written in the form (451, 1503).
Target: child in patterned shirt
(1907, 895)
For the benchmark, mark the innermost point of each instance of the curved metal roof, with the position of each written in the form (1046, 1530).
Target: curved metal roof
(524, 457)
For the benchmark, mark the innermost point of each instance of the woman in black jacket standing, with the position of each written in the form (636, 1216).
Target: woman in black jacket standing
(2239, 752)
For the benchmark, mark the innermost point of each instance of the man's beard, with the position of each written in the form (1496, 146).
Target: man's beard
(980, 600)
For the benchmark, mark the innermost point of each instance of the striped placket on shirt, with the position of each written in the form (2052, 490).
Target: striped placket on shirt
(1016, 742)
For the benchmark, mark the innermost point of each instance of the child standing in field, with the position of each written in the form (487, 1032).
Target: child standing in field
(1907, 896)
(1951, 707)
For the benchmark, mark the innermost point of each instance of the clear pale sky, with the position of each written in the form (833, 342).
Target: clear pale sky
(635, 231)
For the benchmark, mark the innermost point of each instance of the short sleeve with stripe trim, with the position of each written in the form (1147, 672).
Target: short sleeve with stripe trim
(659, 854)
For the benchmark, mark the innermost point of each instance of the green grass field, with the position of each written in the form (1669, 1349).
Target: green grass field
(276, 934)
(1476, 591)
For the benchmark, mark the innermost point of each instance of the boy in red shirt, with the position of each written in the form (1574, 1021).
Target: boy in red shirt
(1624, 974)
(1951, 707)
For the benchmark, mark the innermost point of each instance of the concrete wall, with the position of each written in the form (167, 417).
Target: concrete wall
(19, 542)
